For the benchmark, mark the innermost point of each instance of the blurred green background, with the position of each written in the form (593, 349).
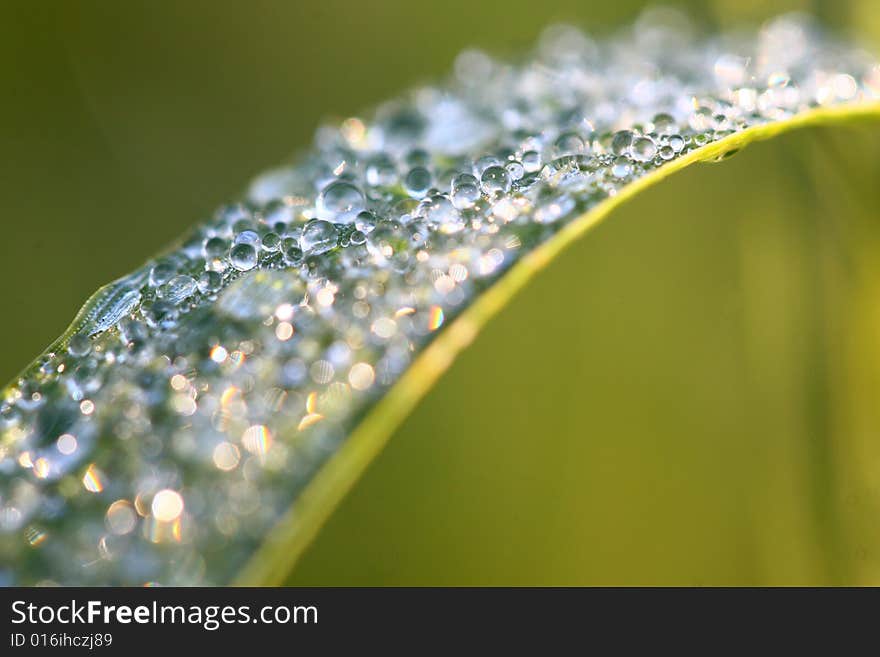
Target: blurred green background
(686, 397)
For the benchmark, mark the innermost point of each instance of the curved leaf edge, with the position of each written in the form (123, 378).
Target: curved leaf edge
(285, 544)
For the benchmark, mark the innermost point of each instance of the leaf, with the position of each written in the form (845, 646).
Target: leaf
(203, 416)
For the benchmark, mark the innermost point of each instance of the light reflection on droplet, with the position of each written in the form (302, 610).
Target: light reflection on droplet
(93, 479)
(435, 318)
(361, 376)
(226, 456)
(257, 439)
(284, 331)
(121, 517)
(219, 354)
(167, 505)
(66, 444)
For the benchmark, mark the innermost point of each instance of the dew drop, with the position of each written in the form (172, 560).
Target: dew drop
(418, 182)
(515, 169)
(568, 143)
(339, 201)
(243, 257)
(622, 167)
(178, 288)
(271, 242)
(380, 171)
(215, 247)
(495, 180)
(161, 274)
(79, 345)
(209, 281)
(643, 149)
(319, 237)
(249, 237)
(664, 124)
(531, 161)
(621, 142)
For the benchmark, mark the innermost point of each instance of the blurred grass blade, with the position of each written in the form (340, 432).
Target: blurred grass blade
(283, 547)
(203, 415)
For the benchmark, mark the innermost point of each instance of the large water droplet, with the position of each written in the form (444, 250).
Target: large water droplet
(339, 201)
(319, 237)
(643, 149)
(418, 182)
(495, 180)
(243, 257)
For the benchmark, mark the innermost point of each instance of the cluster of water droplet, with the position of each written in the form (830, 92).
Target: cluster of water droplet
(163, 435)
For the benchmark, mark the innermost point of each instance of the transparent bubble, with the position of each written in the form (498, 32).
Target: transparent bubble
(243, 257)
(215, 247)
(178, 288)
(495, 180)
(568, 143)
(676, 142)
(440, 212)
(291, 251)
(79, 345)
(484, 163)
(366, 221)
(643, 149)
(621, 142)
(279, 212)
(339, 201)
(418, 181)
(465, 194)
(161, 274)
(248, 237)
(209, 281)
(319, 237)
(531, 161)
(622, 167)
(664, 124)
(271, 242)
(380, 171)
(515, 169)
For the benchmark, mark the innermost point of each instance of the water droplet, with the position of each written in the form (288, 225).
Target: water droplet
(209, 281)
(676, 143)
(531, 161)
(380, 171)
(418, 182)
(465, 191)
(339, 201)
(271, 242)
(243, 257)
(621, 142)
(568, 143)
(495, 180)
(215, 247)
(622, 167)
(664, 124)
(643, 149)
(177, 289)
(249, 237)
(366, 221)
(319, 237)
(161, 274)
(515, 169)
(291, 251)
(79, 345)
(440, 212)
